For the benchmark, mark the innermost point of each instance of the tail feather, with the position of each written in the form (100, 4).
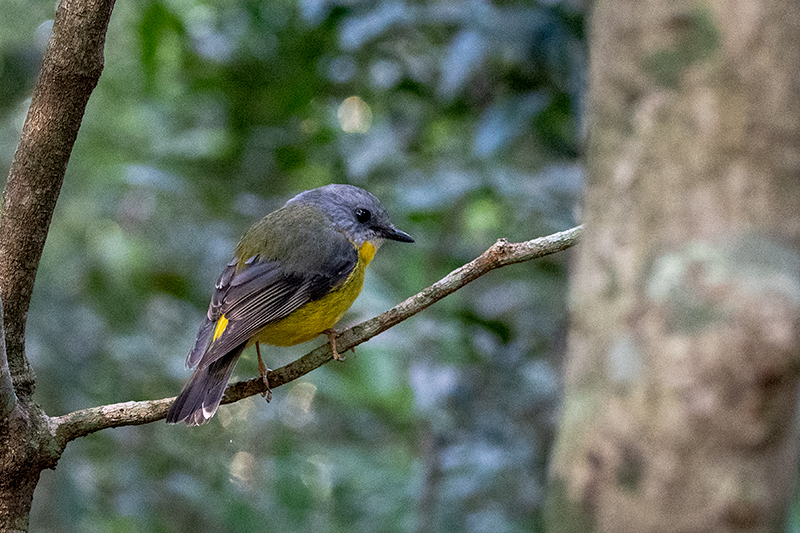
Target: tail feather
(201, 343)
(199, 400)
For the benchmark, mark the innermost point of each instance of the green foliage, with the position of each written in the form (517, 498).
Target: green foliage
(209, 115)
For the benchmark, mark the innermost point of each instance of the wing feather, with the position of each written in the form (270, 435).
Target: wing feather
(261, 292)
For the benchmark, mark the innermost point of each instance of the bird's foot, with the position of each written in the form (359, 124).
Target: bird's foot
(263, 370)
(332, 334)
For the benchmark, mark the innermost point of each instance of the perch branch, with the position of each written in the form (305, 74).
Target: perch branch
(80, 423)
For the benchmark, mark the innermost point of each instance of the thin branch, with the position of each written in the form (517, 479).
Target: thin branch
(81, 423)
(70, 70)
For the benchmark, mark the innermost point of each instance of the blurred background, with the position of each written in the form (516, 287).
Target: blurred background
(461, 116)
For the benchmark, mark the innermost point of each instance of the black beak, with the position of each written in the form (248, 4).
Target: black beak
(394, 234)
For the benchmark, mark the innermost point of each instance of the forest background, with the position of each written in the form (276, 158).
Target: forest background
(206, 117)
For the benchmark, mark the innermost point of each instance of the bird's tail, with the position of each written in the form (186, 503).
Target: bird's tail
(199, 400)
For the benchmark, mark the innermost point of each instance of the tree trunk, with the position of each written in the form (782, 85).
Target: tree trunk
(682, 371)
(70, 70)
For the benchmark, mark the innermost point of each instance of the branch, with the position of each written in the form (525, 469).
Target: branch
(8, 398)
(81, 423)
(71, 67)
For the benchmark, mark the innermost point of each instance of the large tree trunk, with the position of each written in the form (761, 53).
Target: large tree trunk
(682, 373)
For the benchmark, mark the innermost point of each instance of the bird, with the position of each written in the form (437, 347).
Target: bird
(292, 277)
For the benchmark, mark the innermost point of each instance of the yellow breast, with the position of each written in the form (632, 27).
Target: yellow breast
(315, 317)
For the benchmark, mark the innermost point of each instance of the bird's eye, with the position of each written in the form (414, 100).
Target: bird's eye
(363, 215)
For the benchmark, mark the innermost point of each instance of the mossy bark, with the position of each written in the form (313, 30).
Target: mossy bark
(684, 353)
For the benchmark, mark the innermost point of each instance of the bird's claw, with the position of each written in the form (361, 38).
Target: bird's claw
(332, 334)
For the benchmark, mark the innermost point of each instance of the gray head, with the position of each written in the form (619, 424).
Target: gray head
(354, 212)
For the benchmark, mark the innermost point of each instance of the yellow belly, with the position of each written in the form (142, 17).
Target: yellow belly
(315, 317)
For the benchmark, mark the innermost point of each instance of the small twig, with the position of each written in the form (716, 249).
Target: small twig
(81, 423)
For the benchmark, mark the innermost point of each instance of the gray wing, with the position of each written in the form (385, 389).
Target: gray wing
(262, 292)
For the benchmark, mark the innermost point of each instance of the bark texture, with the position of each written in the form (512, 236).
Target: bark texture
(70, 70)
(682, 372)
(72, 65)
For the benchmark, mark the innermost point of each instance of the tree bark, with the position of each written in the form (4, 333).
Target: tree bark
(682, 371)
(70, 70)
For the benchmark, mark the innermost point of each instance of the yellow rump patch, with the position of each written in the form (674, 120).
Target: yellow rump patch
(222, 323)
